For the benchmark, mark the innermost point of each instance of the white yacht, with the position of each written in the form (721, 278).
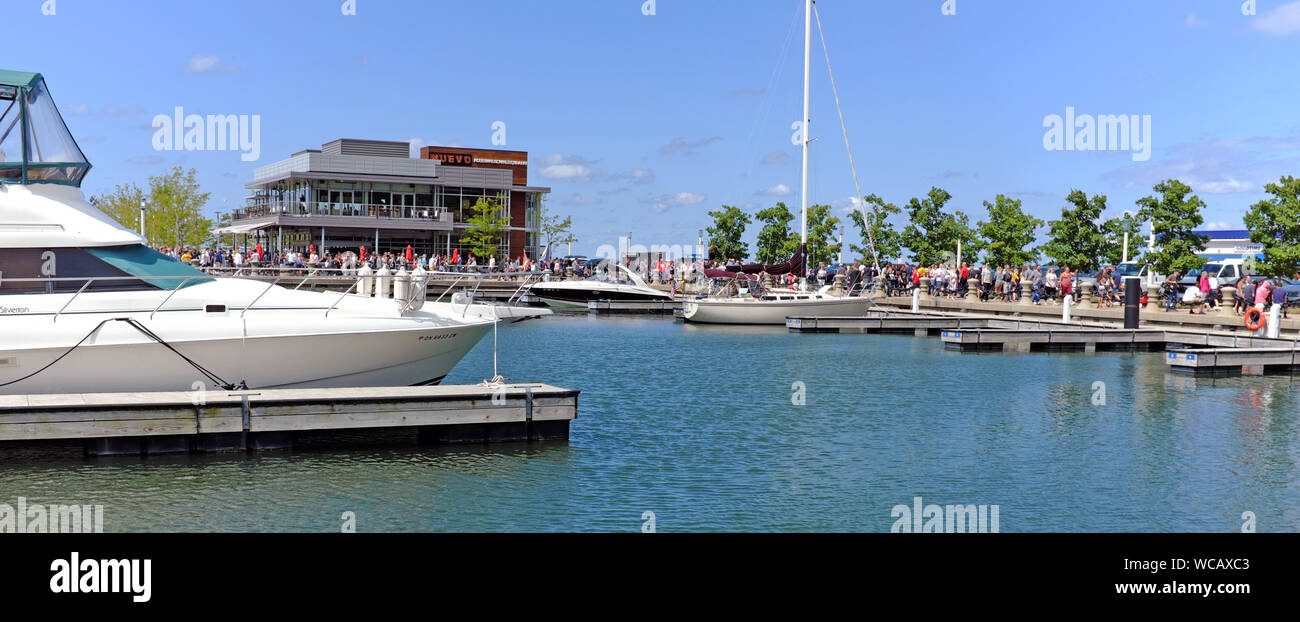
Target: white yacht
(611, 282)
(86, 306)
(775, 307)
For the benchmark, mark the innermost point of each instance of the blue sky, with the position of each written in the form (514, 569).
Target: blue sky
(643, 123)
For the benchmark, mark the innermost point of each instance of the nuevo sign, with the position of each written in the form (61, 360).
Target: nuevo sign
(453, 159)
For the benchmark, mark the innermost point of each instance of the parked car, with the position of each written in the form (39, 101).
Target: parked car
(1227, 271)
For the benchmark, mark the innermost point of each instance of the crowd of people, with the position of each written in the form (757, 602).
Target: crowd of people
(995, 283)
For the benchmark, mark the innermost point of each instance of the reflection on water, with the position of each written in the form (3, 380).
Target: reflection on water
(696, 423)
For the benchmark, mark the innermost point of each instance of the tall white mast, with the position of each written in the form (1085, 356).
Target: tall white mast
(807, 120)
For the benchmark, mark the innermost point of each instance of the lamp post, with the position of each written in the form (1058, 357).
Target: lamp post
(841, 244)
(142, 208)
(1127, 213)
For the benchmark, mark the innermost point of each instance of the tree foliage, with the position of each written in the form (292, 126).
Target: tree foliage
(932, 234)
(1175, 213)
(487, 226)
(1076, 240)
(822, 230)
(1113, 231)
(889, 244)
(174, 208)
(553, 229)
(776, 242)
(1010, 233)
(1275, 223)
(726, 233)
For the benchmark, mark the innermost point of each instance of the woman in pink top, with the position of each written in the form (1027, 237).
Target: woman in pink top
(1263, 292)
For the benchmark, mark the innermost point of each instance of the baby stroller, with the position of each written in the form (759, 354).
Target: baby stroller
(1169, 294)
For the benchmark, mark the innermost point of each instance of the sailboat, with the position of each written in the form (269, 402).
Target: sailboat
(775, 307)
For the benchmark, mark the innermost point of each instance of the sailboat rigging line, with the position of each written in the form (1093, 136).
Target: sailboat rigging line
(217, 380)
(866, 222)
(765, 107)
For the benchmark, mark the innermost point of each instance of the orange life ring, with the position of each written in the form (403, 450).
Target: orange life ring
(1258, 322)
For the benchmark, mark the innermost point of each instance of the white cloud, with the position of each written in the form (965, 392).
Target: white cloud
(581, 199)
(114, 111)
(558, 167)
(80, 110)
(673, 200)
(1192, 21)
(361, 61)
(680, 145)
(1219, 225)
(1227, 186)
(846, 205)
(1281, 21)
(1221, 166)
(749, 92)
(206, 64)
(779, 190)
(776, 157)
(640, 176)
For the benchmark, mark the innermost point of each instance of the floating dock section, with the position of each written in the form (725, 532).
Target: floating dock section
(626, 306)
(217, 421)
(1190, 351)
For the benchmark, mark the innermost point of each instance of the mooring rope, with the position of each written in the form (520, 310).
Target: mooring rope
(215, 379)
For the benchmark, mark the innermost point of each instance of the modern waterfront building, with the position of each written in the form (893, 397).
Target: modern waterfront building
(354, 193)
(1230, 244)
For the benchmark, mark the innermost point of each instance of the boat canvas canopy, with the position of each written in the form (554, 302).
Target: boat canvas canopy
(240, 229)
(35, 144)
(142, 261)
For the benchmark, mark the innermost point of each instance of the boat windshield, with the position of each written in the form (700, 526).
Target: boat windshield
(114, 268)
(35, 144)
(1129, 269)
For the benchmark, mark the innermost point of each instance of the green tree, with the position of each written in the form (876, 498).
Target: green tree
(889, 245)
(554, 230)
(122, 205)
(822, 227)
(776, 242)
(956, 228)
(1010, 232)
(932, 234)
(1076, 240)
(175, 212)
(487, 226)
(1114, 229)
(1175, 213)
(174, 209)
(1275, 223)
(726, 233)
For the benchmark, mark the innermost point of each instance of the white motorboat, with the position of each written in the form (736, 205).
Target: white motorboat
(611, 282)
(775, 307)
(772, 308)
(86, 306)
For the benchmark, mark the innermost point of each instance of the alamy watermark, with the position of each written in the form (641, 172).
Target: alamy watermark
(1107, 132)
(23, 517)
(932, 518)
(214, 132)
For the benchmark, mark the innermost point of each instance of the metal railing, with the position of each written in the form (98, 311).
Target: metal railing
(347, 210)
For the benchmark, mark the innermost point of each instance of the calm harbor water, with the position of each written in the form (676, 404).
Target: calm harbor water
(697, 425)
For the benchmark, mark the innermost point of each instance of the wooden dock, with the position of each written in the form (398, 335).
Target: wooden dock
(1234, 361)
(1094, 339)
(604, 307)
(1191, 351)
(179, 422)
(920, 325)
